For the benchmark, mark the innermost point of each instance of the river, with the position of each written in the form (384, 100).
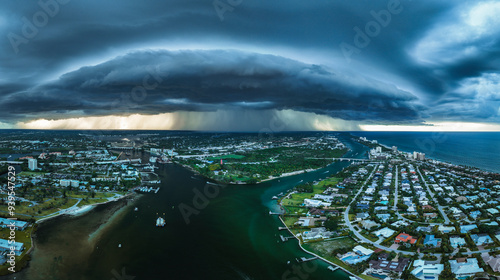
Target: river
(232, 237)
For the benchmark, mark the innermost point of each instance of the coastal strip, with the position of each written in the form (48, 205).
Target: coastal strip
(318, 256)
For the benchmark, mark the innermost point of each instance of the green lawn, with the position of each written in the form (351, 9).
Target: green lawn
(30, 173)
(226, 157)
(75, 194)
(48, 207)
(90, 201)
(297, 199)
(324, 249)
(22, 237)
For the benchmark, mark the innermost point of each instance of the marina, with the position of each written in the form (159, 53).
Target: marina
(147, 190)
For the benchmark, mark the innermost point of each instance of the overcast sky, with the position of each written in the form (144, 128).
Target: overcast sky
(250, 65)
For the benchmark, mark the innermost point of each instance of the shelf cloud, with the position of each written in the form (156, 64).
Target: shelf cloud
(69, 60)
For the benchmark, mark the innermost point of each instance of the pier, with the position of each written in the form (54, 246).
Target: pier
(285, 238)
(304, 259)
(333, 268)
(147, 189)
(274, 213)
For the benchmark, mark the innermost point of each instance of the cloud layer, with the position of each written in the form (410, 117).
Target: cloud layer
(154, 82)
(433, 61)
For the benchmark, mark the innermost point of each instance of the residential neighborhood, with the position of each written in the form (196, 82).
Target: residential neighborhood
(406, 217)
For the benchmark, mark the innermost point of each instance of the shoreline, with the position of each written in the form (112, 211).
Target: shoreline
(318, 256)
(93, 237)
(82, 210)
(287, 174)
(430, 157)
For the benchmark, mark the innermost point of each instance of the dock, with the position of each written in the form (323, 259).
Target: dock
(285, 238)
(303, 259)
(331, 268)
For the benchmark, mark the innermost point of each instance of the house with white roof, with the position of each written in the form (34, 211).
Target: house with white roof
(456, 241)
(385, 232)
(463, 267)
(315, 203)
(445, 229)
(481, 239)
(467, 228)
(427, 271)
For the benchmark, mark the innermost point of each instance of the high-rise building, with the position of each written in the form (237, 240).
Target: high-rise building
(32, 164)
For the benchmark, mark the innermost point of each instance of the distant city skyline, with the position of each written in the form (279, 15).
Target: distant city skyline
(384, 65)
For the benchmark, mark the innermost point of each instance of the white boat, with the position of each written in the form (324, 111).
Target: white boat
(136, 209)
(160, 222)
(153, 159)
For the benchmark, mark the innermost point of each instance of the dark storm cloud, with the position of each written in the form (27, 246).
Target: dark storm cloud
(432, 49)
(163, 81)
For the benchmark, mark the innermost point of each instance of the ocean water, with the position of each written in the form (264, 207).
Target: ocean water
(478, 149)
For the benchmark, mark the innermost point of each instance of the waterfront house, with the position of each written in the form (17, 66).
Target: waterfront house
(315, 203)
(19, 225)
(358, 254)
(316, 233)
(5, 246)
(464, 267)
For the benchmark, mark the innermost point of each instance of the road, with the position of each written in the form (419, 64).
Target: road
(440, 208)
(396, 187)
(366, 240)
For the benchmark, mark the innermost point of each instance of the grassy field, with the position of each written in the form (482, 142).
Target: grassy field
(227, 157)
(90, 201)
(48, 207)
(22, 237)
(75, 194)
(325, 248)
(296, 210)
(31, 173)
(297, 199)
